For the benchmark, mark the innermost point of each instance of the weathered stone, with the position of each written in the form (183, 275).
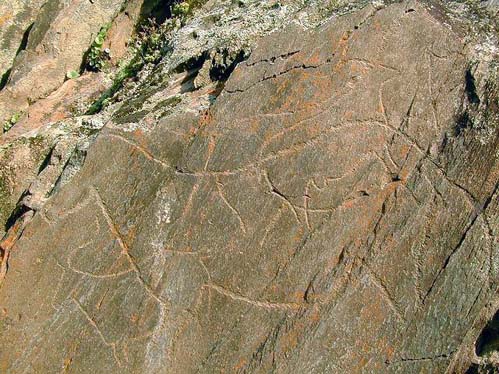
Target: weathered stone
(16, 20)
(71, 99)
(61, 34)
(333, 207)
(25, 158)
(19, 163)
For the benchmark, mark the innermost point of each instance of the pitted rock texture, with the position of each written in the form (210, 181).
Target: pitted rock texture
(329, 213)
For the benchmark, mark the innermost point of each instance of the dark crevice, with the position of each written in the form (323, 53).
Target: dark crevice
(22, 46)
(488, 341)
(46, 160)
(462, 122)
(267, 347)
(192, 65)
(18, 212)
(4, 79)
(222, 65)
(157, 10)
(273, 59)
(222, 72)
(482, 369)
(278, 74)
(470, 88)
(416, 359)
(24, 41)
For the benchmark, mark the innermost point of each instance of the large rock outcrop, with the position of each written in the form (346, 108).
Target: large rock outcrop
(329, 206)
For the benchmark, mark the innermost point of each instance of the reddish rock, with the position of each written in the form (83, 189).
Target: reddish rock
(335, 210)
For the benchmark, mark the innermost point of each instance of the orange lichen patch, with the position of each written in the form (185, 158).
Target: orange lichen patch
(289, 340)
(342, 47)
(131, 234)
(298, 236)
(67, 364)
(10, 239)
(314, 59)
(349, 204)
(241, 364)
(373, 312)
(281, 95)
(315, 315)
(141, 139)
(253, 125)
(404, 150)
(192, 131)
(4, 18)
(389, 351)
(298, 296)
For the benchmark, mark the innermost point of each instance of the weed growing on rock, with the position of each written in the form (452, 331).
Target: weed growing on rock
(72, 74)
(97, 57)
(180, 9)
(7, 125)
(151, 44)
(185, 8)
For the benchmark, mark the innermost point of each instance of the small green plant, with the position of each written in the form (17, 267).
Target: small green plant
(72, 74)
(97, 57)
(151, 42)
(185, 8)
(180, 9)
(7, 125)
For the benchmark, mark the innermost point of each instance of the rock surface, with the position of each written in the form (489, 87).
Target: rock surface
(331, 205)
(16, 20)
(56, 43)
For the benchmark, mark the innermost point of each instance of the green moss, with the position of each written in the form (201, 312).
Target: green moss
(171, 102)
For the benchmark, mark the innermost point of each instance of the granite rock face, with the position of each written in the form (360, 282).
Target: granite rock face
(331, 205)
